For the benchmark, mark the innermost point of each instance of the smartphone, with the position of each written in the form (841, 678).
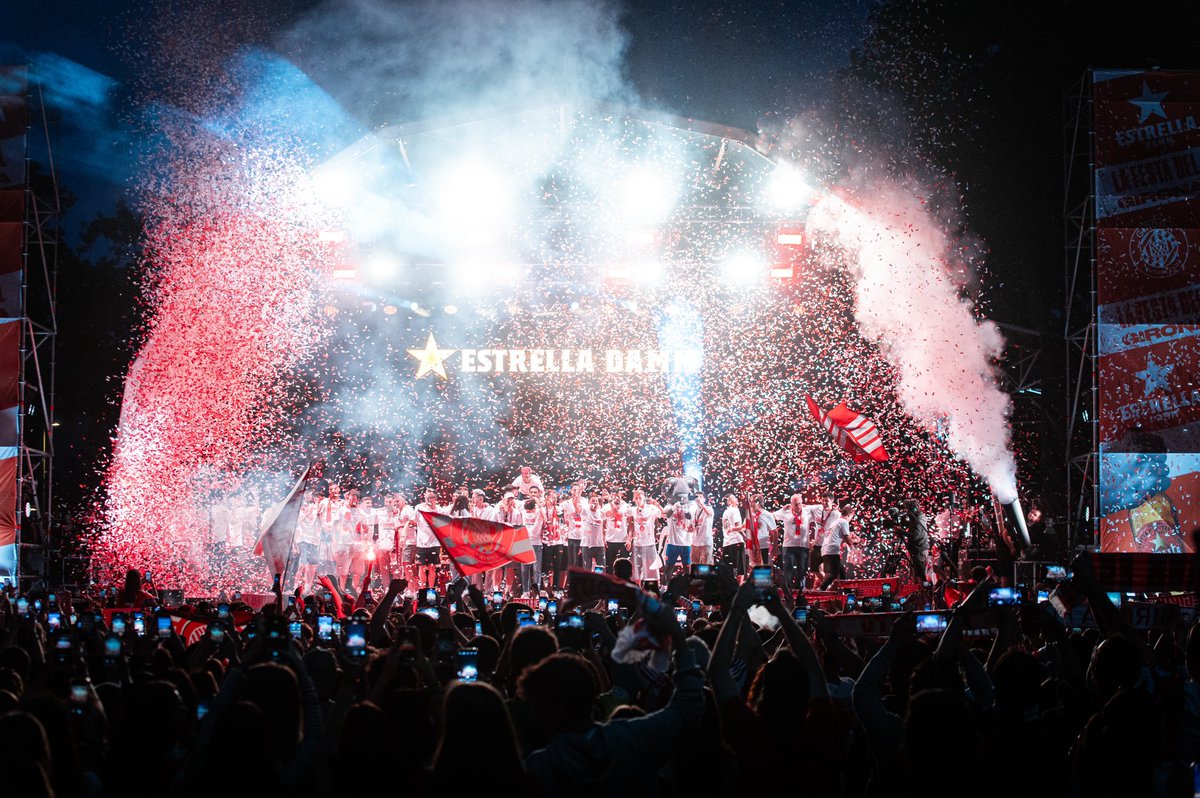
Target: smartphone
(851, 602)
(650, 586)
(701, 570)
(54, 621)
(22, 606)
(1043, 596)
(164, 625)
(597, 569)
(612, 606)
(542, 601)
(478, 629)
(467, 660)
(763, 580)
(526, 619)
(1116, 599)
(800, 614)
(552, 608)
(497, 598)
(1004, 597)
(432, 612)
(237, 595)
(201, 709)
(445, 643)
(887, 588)
(52, 599)
(291, 601)
(406, 638)
(296, 629)
(324, 627)
(453, 607)
(37, 605)
(112, 647)
(215, 632)
(681, 616)
(79, 698)
(118, 624)
(356, 639)
(697, 607)
(431, 597)
(931, 622)
(1056, 573)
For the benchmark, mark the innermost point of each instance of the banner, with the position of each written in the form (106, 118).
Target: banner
(476, 545)
(1147, 208)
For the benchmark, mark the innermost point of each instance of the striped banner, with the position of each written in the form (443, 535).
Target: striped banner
(851, 430)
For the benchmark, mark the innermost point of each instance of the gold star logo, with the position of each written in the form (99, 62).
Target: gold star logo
(431, 358)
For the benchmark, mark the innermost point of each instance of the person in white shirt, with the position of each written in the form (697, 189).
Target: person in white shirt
(816, 515)
(574, 511)
(329, 517)
(356, 539)
(526, 482)
(593, 533)
(406, 538)
(308, 536)
(554, 543)
(837, 533)
(794, 557)
(760, 527)
(527, 578)
(428, 548)
(681, 526)
(644, 513)
(616, 528)
(733, 544)
(702, 540)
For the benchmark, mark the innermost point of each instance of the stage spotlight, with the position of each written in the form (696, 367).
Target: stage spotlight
(473, 199)
(648, 271)
(640, 238)
(450, 310)
(574, 306)
(382, 267)
(647, 195)
(335, 186)
(787, 190)
(743, 268)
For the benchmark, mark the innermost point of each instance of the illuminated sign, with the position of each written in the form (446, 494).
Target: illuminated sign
(496, 360)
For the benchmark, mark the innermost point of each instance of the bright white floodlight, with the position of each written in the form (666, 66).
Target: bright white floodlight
(473, 200)
(743, 269)
(647, 195)
(786, 189)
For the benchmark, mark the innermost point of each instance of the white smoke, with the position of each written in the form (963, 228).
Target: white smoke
(908, 302)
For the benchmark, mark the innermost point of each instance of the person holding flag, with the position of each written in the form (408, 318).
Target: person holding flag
(760, 525)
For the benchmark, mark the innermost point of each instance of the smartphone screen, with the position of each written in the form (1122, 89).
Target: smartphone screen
(325, 627)
(542, 602)
(23, 606)
(800, 614)
(612, 606)
(296, 629)
(931, 622)
(597, 569)
(112, 647)
(478, 629)
(762, 577)
(139, 624)
(432, 612)
(701, 570)
(356, 639)
(54, 621)
(118, 624)
(552, 608)
(681, 616)
(467, 660)
(215, 632)
(406, 638)
(1003, 597)
(497, 598)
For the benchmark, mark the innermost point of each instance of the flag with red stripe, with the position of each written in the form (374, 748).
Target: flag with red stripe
(851, 430)
(477, 545)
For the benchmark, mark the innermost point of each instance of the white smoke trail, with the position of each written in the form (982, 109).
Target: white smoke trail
(908, 302)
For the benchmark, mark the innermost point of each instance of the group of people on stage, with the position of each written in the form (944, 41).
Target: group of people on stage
(585, 526)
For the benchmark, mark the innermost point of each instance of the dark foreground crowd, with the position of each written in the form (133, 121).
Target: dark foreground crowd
(643, 695)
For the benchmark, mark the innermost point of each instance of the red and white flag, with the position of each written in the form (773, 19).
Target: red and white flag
(477, 545)
(851, 430)
(279, 529)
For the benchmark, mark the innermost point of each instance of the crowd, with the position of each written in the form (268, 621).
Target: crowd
(709, 687)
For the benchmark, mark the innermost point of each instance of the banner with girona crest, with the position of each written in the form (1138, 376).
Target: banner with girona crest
(1147, 213)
